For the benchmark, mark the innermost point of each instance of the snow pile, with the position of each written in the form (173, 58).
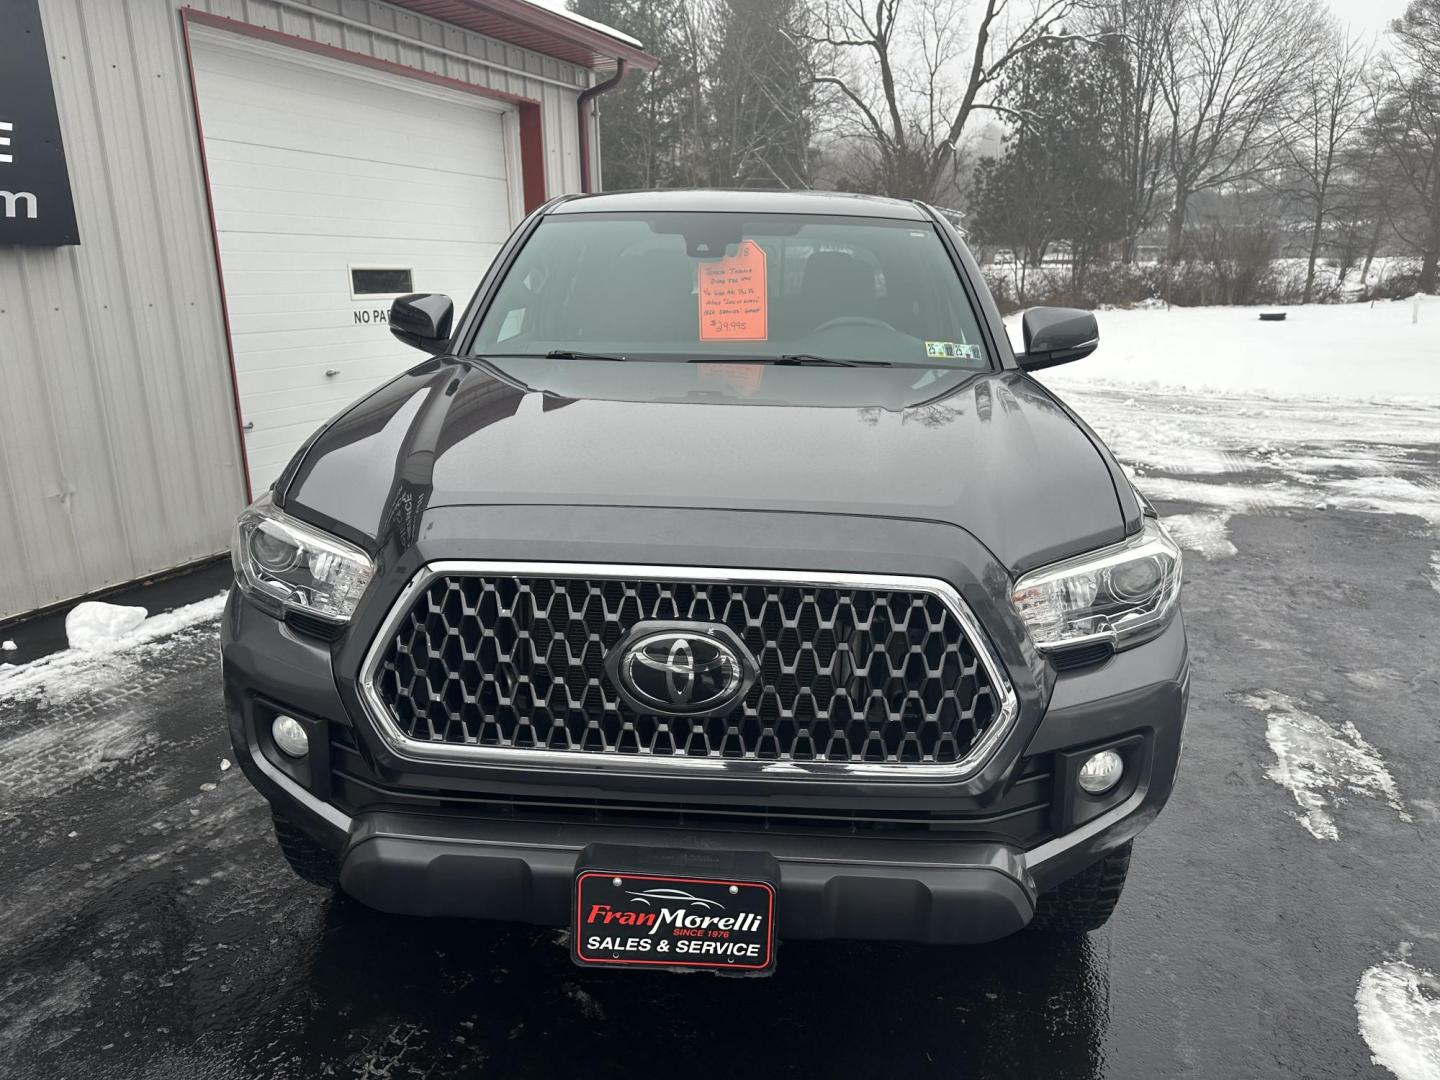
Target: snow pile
(1350, 351)
(1319, 764)
(65, 675)
(1399, 1010)
(9, 646)
(95, 625)
(1435, 571)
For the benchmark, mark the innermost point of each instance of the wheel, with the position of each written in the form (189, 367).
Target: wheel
(1087, 900)
(307, 858)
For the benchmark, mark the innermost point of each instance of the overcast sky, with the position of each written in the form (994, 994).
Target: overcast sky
(1367, 15)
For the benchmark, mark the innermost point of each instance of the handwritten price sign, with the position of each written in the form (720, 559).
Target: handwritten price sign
(734, 305)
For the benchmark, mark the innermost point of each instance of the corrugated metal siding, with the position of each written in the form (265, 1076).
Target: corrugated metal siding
(117, 441)
(118, 450)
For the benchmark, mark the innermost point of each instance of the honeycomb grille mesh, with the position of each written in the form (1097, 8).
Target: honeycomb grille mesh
(846, 674)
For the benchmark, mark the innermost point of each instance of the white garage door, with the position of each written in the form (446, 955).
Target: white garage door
(335, 188)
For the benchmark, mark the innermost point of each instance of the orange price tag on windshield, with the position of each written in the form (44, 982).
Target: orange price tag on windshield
(734, 305)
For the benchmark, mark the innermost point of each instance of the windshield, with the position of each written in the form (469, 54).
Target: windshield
(725, 286)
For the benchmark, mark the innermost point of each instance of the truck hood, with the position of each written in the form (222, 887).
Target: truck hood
(992, 454)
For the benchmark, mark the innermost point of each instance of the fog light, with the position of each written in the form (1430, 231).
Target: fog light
(1101, 772)
(290, 735)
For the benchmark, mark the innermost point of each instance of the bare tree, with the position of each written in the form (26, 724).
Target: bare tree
(1134, 31)
(1407, 124)
(1229, 68)
(1328, 113)
(888, 64)
(1371, 196)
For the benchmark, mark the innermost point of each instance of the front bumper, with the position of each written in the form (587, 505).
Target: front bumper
(940, 887)
(950, 892)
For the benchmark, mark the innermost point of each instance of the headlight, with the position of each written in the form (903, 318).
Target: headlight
(1121, 594)
(284, 563)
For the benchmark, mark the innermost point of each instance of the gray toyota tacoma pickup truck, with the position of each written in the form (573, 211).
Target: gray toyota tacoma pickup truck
(720, 578)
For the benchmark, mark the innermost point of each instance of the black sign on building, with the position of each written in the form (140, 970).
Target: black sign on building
(35, 203)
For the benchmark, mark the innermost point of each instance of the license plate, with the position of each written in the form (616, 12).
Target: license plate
(671, 920)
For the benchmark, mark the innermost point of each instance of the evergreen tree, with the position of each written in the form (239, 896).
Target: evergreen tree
(761, 94)
(652, 124)
(1058, 178)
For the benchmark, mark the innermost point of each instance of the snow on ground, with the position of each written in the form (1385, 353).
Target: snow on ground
(1337, 408)
(1398, 1005)
(106, 661)
(1364, 352)
(1250, 455)
(1205, 533)
(1435, 571)
(36, 763)
(1321, 765)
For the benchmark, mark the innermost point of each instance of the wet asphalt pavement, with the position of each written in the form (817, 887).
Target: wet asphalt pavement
(148, 927)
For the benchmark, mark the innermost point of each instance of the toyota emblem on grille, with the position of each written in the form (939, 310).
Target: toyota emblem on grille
(682, 669)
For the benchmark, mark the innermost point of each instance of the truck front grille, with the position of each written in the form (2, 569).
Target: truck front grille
(850, 674)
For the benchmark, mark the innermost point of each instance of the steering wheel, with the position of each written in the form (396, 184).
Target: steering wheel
(852, 320)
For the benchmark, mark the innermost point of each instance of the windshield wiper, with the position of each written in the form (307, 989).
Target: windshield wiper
(558, 354)
(787, 360)
(811, 360)
(572, 354)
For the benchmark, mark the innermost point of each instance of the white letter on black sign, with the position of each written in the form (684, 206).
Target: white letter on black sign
(11, 199)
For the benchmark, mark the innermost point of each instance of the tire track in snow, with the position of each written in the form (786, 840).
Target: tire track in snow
(1319, 764)
(1398, 1005)
(1249, 454)
(47, 760)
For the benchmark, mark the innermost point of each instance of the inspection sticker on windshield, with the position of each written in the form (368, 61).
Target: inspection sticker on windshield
(951, 350)
(734, 305)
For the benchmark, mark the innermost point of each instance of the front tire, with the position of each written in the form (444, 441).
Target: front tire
(308, 859)
(1087, 900)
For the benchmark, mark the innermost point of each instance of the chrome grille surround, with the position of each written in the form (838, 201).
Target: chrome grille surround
(973, 760)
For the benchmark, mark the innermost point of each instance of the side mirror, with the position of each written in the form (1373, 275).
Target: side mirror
(1057, 335)
(422, 320)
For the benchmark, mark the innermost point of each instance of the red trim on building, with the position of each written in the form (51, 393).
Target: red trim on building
(215, 245)
(532, 156)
